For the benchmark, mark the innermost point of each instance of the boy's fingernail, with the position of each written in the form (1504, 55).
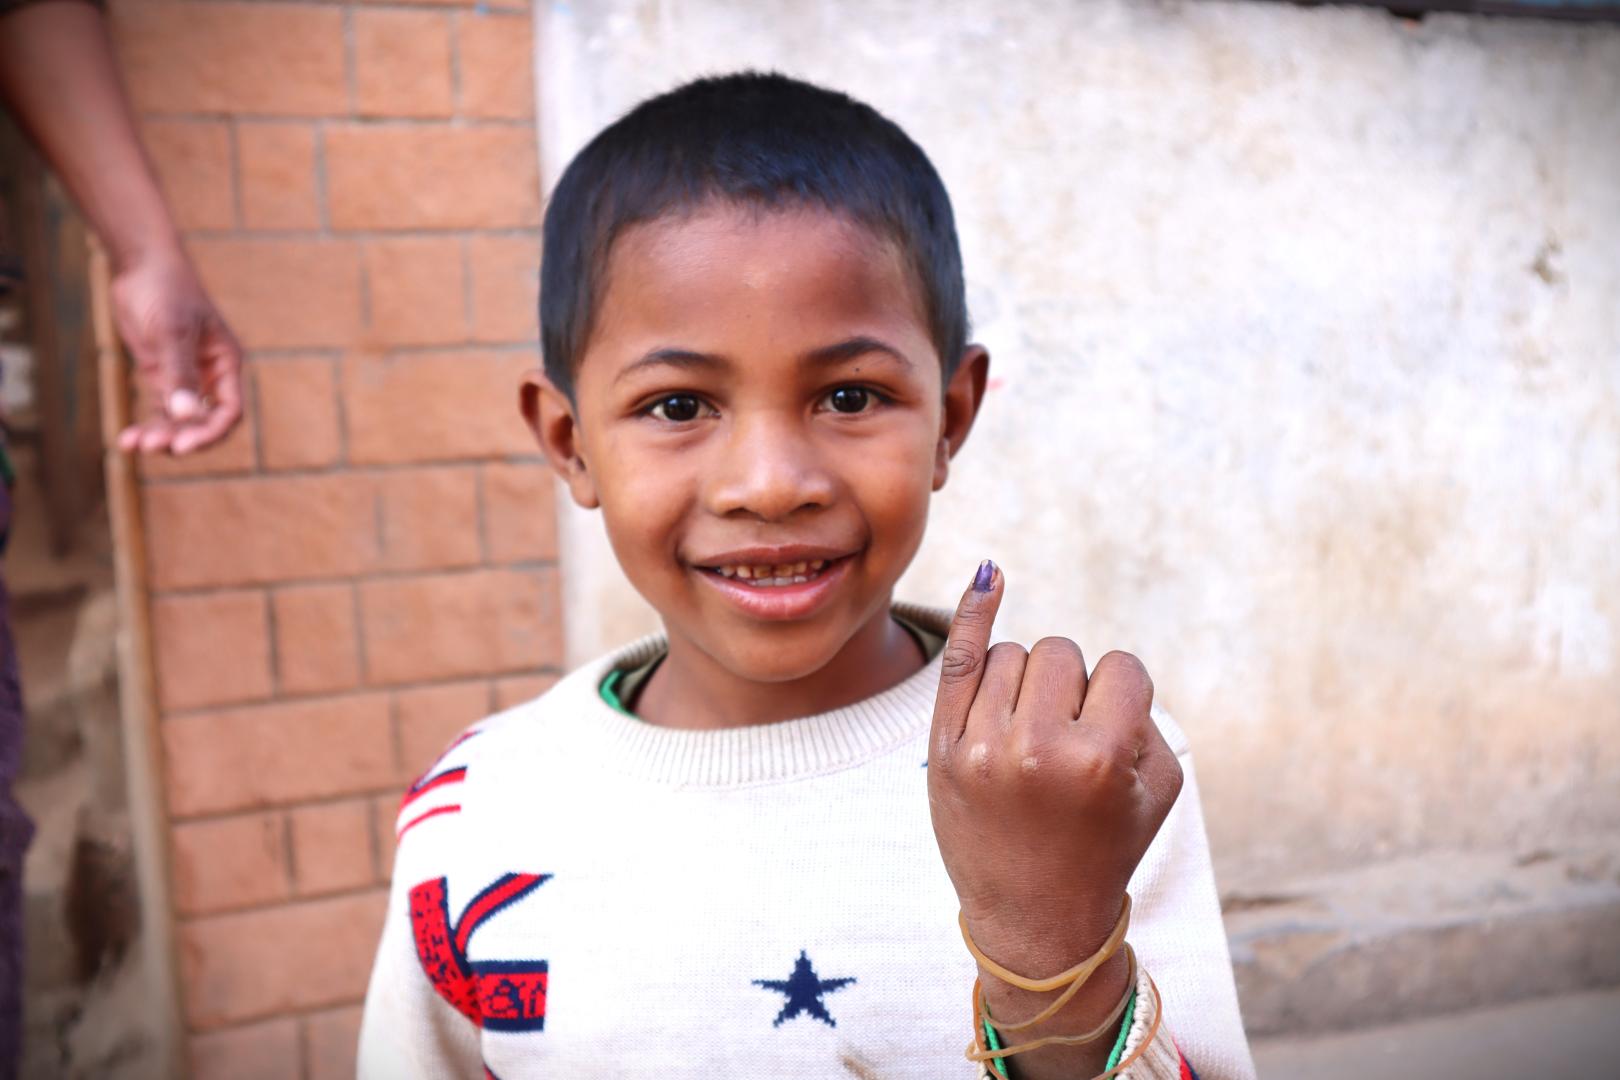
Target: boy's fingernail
(986, 574)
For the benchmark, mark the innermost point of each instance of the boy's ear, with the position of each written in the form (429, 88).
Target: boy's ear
(963, 396)
(551, 417)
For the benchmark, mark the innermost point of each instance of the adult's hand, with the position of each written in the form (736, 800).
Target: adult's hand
(59, 77)
(185, 355)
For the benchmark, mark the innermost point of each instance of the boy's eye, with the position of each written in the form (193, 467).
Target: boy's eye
(850, 399)
(676, 408)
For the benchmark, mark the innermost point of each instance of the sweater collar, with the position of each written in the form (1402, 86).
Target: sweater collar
(756, 754)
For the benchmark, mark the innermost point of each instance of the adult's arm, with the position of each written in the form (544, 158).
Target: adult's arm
(59, 79)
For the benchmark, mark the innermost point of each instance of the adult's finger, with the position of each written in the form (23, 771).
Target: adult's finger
(222, 368)
(172, 361)
(962, 663)
(155, 436)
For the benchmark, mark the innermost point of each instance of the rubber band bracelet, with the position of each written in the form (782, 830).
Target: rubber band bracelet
(1081, 970)
(1074, 978)
(978, 1052)
(1130, 1059)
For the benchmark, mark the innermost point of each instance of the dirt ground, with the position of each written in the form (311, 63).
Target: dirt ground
(1560, 1038)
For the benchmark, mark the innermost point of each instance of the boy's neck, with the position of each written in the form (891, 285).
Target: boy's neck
(690, 690)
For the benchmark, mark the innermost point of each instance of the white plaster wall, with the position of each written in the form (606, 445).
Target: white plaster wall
(1306, 340)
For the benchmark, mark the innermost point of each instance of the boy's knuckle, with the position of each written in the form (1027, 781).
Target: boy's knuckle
(1091, 767)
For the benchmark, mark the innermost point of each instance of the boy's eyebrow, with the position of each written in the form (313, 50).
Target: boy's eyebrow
(678, 358)
(855, 346)
(827, 354)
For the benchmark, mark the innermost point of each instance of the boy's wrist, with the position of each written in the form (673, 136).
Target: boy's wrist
(1100, 995)
(1041, 946)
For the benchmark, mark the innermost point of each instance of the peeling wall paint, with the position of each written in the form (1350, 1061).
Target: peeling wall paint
(1306, 331)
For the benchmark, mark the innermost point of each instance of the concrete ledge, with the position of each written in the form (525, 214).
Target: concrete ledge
(1423, 936)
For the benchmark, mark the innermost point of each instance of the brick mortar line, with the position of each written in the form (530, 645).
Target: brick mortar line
(281, 353)
(362, 655)
(352, 119)
(469, 305)
(306, 1051)
(215, 817)
(299, 1013)
(508, 8)
(379, 521)
(374, 844)
(233, 157)
(340, 409)
(290, 902)
(481, 509)
(394, 791)
(453, 34)
(323, 213)
(396, 741)
(465, 570)
(272, 648)
(290, 869)
(268, 235)
(192, 712)
(253, 414)
(459, 349)
(350, 66)
(294, 472)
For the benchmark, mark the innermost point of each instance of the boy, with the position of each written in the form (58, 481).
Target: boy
(724, 841)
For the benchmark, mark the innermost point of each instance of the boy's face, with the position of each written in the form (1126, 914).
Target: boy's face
(760, 390)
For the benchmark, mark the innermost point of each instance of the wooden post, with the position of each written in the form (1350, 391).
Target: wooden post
(137, 690)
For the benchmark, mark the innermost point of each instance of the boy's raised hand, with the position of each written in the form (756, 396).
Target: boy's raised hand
(1046, 788)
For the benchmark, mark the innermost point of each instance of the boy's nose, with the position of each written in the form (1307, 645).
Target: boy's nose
(770, 469)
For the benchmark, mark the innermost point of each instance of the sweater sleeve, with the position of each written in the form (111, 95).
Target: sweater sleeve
(408, 1031)
(1180, 937)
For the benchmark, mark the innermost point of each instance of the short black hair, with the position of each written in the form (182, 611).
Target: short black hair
(758, 138)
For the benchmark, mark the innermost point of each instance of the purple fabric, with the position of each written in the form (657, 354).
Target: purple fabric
(15, 831)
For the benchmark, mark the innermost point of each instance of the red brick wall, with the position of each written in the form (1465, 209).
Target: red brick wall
(368, 564)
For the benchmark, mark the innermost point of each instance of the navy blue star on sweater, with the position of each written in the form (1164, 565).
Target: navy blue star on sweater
(803, 990)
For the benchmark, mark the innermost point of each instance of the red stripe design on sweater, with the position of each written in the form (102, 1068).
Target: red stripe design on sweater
(426, 784)
(503, 892)
(503, 995)
(448, 808)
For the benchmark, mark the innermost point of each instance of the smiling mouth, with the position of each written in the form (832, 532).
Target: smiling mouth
(775, 576)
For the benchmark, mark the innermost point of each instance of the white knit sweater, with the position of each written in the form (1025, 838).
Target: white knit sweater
(578, 893)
